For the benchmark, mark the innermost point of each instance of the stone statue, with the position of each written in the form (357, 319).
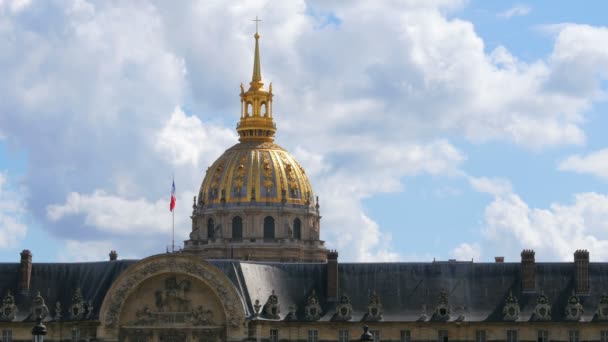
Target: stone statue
(289, 230)
(242, 88)
(217, 231)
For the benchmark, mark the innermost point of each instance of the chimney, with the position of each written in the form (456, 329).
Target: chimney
(332, 276)
(499, 259)
(581, 271)
(26, 271)
(113, 256)
(528, 271)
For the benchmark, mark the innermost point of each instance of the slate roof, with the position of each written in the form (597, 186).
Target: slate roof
(475, 290)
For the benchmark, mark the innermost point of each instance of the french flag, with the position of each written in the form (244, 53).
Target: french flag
(173, 199)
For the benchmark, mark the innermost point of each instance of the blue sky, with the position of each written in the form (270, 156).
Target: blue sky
(429, 129)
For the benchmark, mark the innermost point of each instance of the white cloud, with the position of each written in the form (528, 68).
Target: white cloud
(595, 163)
(492, 186)
(511, 225)
(186, 140)
(515, 11)
(465, 252)
(95, 93)
(12, 210)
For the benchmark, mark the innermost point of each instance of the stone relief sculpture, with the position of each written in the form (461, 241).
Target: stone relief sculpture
(442, 309)
(200, 316)
(574, 309)
(510, 311)
(39, 309)
(542, 311)
(173, 297)
(78, 307)
(230, 300)
(344, 309)
(602, 308)
(9, 309)
(172, 305)
(312, 310)
(374, 308)
(272, 309)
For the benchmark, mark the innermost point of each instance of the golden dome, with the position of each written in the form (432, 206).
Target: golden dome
(256, 169)
(260, 172)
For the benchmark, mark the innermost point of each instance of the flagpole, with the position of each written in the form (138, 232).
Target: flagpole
(173, 230)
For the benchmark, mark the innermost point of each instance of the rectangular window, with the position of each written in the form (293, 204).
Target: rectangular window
(406, 336)
(480, 336)
(313, 335)
(7, 336)
(604, 336)
(543, 336)
(511, 335)
(376, 335)
(274, 335)
(75, 334)
(442, 336)
(573, 335)
(343, 336)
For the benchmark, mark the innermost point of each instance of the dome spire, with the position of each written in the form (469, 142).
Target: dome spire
(256, 78)
(256, 103)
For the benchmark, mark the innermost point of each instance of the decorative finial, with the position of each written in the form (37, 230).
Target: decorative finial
(256, 26)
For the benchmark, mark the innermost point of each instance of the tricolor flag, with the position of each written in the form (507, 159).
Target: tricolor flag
(173, 199)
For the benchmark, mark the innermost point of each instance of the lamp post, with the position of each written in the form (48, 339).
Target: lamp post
(39, 330)
(366, 336)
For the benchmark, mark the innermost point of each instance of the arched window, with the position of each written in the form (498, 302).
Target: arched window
(297, 229)
(268, 227)
(264, 109)
(249, 111)
(237, 228)
(210, 228)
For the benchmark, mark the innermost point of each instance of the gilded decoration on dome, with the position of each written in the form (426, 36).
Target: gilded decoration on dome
(239, 179)
(267, 171)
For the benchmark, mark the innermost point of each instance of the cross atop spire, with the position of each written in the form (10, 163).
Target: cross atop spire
(256, 23)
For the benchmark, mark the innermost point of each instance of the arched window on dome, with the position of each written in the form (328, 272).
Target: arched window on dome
(264, 109)
(237, 228)
(268, 228)
(297, 229)
(210, 228)
(249, 109)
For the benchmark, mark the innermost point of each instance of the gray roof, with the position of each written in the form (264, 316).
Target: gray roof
(475, 290)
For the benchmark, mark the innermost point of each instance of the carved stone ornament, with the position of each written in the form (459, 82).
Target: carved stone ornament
(292, 314)
(344, 309)
(374, 308)
(574, 309)
(442, 309)
(542, 311)
(271, 308)
(127, 282)
(9, 309)
(58, 311)
(423, 315)
(39, 309)
(510, 311)
(256, 308)
(312, 310)
(77, 309)
(602, 308)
